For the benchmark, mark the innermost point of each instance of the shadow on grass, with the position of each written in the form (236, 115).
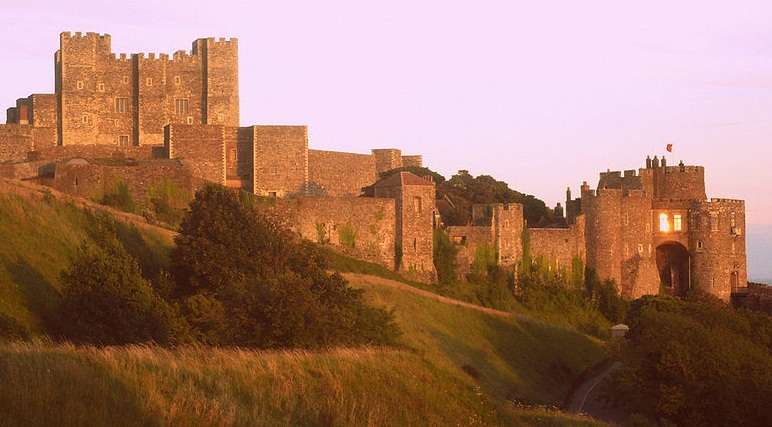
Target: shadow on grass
(65, 388)
(41, 296)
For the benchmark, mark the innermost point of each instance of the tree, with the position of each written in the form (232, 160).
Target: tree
(107, 302)
(695, 362)
(245, 280)
(444, 257)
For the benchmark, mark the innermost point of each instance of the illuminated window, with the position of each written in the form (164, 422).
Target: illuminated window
(677, 222)
(664, 223)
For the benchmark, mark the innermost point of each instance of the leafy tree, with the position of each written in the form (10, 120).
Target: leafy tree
(606, 297)
(695, 362)
(247, 281)
(444, 257)
(106, 301)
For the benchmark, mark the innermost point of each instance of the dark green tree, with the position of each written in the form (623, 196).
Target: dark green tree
(106, 301)
(245, 280)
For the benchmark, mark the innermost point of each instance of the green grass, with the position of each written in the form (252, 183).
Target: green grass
(39, 239)
(463, 291)
(454, 365)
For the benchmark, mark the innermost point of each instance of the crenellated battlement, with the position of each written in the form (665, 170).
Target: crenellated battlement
(66, 35)
(727, 201)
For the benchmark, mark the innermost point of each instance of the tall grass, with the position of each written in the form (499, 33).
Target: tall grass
(39, 237)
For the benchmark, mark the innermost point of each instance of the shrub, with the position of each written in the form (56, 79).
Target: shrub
(119, 197)
(444, 257)
(348, 236)
(605, 296)
(244, 280)
(167, 201)
(695, 362)
(106, 301)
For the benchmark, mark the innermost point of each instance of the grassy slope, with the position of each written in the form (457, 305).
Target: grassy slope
(37, 242)
(459, 366)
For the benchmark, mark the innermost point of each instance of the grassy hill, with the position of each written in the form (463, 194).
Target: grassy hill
(456, 365)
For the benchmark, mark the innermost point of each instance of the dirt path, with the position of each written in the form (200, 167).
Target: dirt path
(405, 287)
(29, 189)
(579, 397)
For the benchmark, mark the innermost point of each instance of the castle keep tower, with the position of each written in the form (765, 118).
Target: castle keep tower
(118, 100)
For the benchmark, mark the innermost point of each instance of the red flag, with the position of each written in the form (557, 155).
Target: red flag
(669, 148)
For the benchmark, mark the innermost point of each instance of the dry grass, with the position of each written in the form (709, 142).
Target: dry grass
(46, 384)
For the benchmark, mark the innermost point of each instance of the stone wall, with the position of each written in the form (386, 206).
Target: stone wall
(559, 247)
(412, 161)
(340, 174)
(679, 182)
(415, 222)
(363, 227)
(468, 238)
(200, 147)
(93, 179)
(281, 160)
(717, 246)
(387, 159)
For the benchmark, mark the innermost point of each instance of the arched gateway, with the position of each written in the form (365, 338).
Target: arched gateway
(673, 267)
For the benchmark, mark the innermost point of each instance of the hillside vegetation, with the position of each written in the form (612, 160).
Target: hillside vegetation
(452, 365)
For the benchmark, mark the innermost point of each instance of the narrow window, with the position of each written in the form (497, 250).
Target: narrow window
(272, 194)
(181, 106)
(713, 221)
(664, 223)
(149, 81)
(121, 105)
(627, 218)
(80, 84)
(125, 80)
(677, 222)
(190, 120)
(85, 119)
(123, 140)
(417, 204)
(415, 244)
(101, 87)
(700, 245)
(732, 221)
(640, 248)
(177, 80)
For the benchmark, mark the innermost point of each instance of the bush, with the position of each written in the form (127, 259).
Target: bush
(107, 302)
(547, 297)
(119, 198)
(605, 296)
(695, 362)
(167, 201)
(246, 281)
(444, 257)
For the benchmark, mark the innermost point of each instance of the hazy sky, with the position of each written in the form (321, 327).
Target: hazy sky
(540, 94)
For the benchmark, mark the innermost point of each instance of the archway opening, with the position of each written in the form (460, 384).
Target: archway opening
(673, 266)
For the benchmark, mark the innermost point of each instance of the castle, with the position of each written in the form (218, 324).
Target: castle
(153, 121)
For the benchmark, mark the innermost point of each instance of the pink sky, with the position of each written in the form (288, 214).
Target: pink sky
(541, 96)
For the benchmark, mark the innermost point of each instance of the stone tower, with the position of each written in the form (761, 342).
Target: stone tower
(415, 222)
